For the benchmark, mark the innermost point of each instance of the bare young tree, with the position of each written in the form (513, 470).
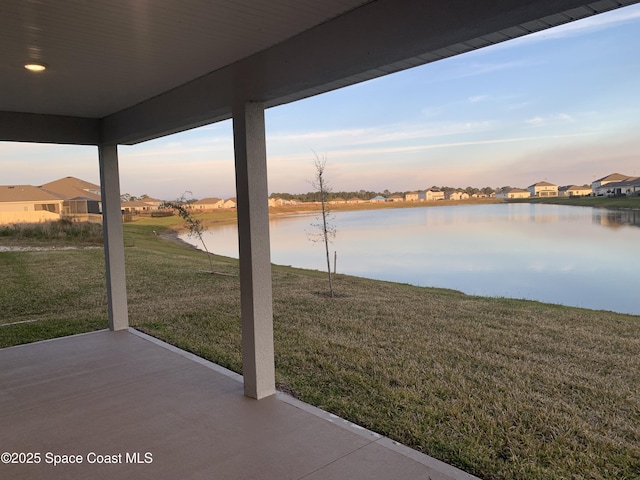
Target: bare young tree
(327, 230)
(195, 226)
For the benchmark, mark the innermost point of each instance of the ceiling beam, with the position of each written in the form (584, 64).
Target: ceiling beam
(31, 127)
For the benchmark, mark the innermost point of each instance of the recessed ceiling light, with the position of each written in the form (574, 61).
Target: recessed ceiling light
(35, 67)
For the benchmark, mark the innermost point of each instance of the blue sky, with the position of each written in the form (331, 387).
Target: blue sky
(562, 105)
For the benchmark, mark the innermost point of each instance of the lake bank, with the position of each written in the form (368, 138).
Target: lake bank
(226, 217)
(552, 253)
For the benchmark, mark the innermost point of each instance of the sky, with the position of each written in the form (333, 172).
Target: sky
(562, 106)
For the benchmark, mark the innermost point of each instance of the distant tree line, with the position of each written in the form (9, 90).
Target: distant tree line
(127, 197)
(360, 194)
(368, 195)
(317, 197)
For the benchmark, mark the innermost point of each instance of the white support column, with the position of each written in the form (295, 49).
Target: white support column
(258, 366)
(113, 237)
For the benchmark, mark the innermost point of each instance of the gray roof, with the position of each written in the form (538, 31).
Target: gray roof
(628, 182)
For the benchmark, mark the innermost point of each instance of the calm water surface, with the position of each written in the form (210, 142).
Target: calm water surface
(576, 256)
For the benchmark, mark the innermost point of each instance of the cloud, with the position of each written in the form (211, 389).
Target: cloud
(331, 139)
(539, 121)
(478, 98)
(432, 112)
(564, 117)
(474, 69)
(354, 152)
(574, 162)
(410, 167)
(535, 121)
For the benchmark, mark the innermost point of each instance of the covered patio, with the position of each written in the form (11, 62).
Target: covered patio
(125, 405)
(120, 72)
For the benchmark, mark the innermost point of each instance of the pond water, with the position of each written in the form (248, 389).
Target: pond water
(576, 256)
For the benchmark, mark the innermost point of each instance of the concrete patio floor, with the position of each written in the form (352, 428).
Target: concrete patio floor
(158, 412)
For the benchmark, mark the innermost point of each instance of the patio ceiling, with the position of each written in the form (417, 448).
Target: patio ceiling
(123, 71)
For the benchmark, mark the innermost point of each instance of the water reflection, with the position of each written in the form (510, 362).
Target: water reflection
(552, 253)
(617, 218)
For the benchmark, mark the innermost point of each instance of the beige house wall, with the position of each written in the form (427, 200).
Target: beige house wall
(432, 196)
(543, 191)
(28, 206)
(26, 212)
(207, 206)
(411, 197)
(574, 193)
(457, 196)
(9, 217)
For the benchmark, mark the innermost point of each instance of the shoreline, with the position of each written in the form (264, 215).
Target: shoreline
(280, 258)
(313, 209)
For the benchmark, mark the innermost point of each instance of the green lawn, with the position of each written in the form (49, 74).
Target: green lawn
(504, 389)
(597, 202)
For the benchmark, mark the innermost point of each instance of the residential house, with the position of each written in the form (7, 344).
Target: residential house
(543, 189)
(598, 186)
(430, 195)
(26, 204)
(82, 199)
(154, 202)
(411, 197)
(395, 198)
(513, 193)
(145, 205)
(207, 204)
(574, 191)
(457, 195)
(378, 198)
(277, 202)
(229, 203)
(629, 186)
(135, 206)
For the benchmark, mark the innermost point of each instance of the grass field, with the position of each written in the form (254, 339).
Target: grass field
(596, 202)
(504, 389)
